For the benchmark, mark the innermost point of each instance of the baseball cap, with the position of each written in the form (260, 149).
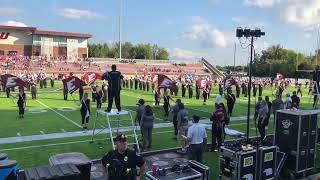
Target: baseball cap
(140, 102)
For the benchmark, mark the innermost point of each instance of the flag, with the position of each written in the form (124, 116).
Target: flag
(229, 83)
(91, 77)
(154, 77)
(72, 83)
(165, 82)
(202, 83)
(280, 76)
(12, 81)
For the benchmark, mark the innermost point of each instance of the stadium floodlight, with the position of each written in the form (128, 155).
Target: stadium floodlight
(255, 33)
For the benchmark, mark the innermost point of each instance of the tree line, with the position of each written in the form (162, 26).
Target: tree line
(277, 59)
(128, 51)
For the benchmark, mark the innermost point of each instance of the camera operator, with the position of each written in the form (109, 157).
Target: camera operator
(121, 164)
(113, 77)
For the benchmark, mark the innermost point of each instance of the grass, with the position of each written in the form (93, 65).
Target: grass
(47, 114)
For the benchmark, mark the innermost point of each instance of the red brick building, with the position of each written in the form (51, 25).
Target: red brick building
(29, 41)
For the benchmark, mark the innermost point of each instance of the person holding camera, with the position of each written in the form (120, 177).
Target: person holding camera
(122, 163)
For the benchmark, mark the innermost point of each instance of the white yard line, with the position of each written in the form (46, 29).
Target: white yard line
(66, 118)
(66, 143)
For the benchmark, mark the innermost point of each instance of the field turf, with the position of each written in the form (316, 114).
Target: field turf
(51, 114)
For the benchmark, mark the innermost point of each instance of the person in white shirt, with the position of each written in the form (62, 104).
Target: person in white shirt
(197, 137)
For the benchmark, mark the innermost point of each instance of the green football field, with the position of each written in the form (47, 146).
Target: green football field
(51, 114)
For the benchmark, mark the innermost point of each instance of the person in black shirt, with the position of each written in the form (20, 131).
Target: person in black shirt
(122, 163)
(295, 99)
(113, 77)
(131, 83)
(220, 89)
(184, 88)
(190, 89)
(85, 110)
(65, 92)
(21, 102)
(231, 100)
(237, 90)
(166, 103)
(156, 97)
(260, 87)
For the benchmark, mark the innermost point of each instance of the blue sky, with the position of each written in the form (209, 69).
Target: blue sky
(189, 29)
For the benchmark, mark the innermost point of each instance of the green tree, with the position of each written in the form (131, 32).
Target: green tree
(162, 54)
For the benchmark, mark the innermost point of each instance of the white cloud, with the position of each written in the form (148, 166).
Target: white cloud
(14, 23)
(206, 34)
(72, 13)
(302, 13)
(261, 3)
(182, 54)
(9, 10)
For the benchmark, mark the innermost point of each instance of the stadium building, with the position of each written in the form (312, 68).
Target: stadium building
(29, 41)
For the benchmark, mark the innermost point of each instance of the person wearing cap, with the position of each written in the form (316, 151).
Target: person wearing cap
(197, 137)
(122, 163)
(140, 110)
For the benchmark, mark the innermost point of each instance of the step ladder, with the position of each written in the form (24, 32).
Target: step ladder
(112, 123)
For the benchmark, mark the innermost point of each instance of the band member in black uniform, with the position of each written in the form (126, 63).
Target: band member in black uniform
(183, 88)
(122, 163)
(65, 92)
(237, 90)
(21, 102)
(85, 110)
(166, 102)
(131, 83)
(148, 85)
(156, 97)
(33, 91)
(94, 93)
(299, 89)
(254, 88)
(220, 89)
(52, 81)
(177, 90)
(190, 86)
(260, 87)
(205, 93)
(197, 91)
(136, 83)
(231, 100)
(113, 78)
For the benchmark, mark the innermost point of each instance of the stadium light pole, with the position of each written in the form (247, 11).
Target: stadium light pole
(248, 33)
(120, 28)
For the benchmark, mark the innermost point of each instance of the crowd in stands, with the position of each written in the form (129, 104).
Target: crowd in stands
(61, 64)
